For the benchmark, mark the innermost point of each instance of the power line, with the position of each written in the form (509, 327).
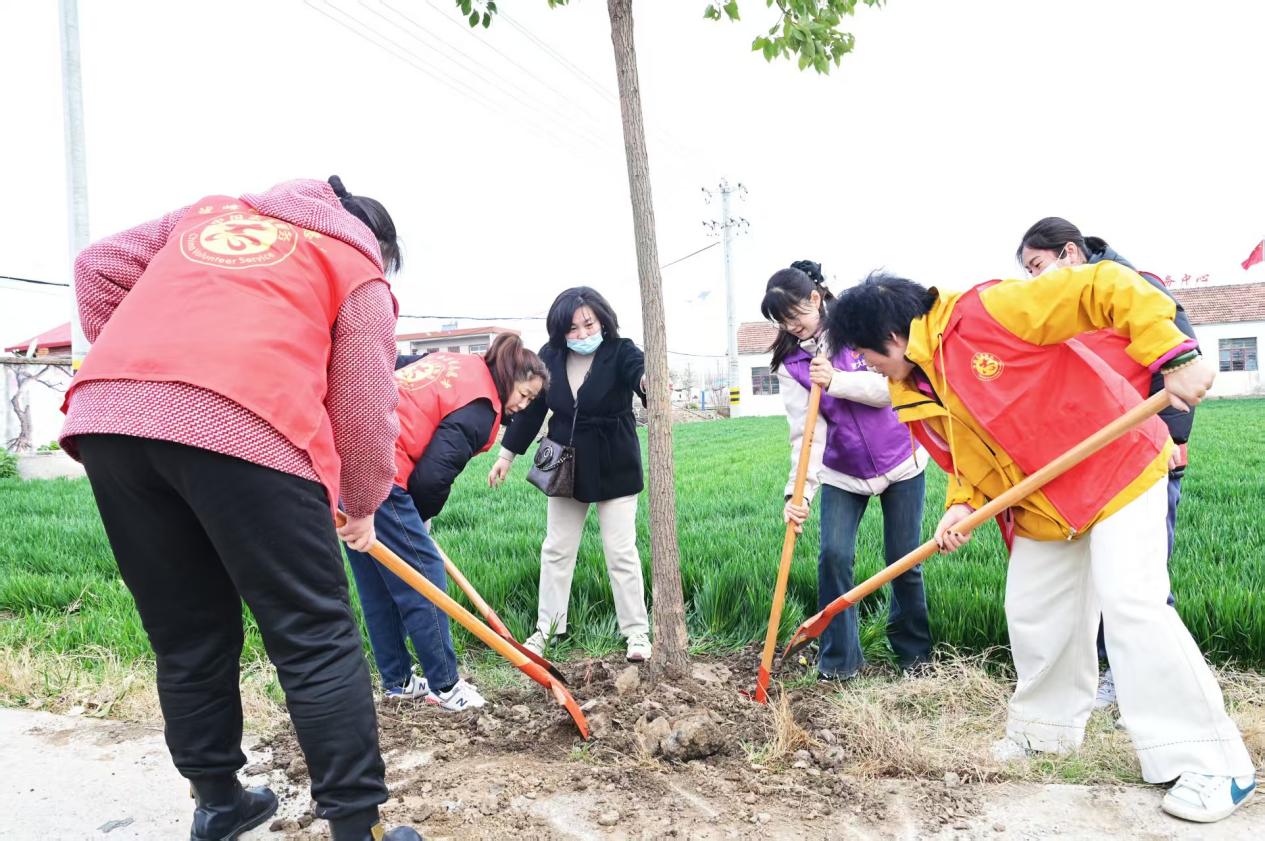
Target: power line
(32, 280)
(691, 254)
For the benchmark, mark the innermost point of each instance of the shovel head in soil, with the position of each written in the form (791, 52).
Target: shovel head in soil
(490, 617)
(814, 625)
(470, 622)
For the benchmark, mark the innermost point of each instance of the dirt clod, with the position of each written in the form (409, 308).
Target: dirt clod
(608, 818)
(628, 681)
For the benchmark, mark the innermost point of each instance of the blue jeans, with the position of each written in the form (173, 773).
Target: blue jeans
(907, 627)
(1174, 497)
(393, 608)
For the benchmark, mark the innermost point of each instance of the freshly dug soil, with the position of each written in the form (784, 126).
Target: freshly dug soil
(690, 758)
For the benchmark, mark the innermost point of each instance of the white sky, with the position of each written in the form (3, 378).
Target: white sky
(952, 127)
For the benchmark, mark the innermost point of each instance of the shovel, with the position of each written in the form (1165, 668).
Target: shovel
(444, 602)
(490, 617)
(761, 694)
(813, 626)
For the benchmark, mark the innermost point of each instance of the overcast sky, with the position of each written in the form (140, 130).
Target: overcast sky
(952, 127)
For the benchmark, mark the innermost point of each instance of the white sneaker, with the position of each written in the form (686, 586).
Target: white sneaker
(1205, 798)
(460, 698)
(638, 648)
(536, 644)
(1008, 750)
(414, 687)
(1106, 691)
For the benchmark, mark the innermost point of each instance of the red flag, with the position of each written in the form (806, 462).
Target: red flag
(1257, 256)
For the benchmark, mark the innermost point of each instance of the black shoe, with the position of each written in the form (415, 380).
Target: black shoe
(403, 833)
(354, 829)
(225, 810)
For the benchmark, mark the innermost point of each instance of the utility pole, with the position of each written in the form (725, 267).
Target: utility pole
(726, 228)
(76, 162)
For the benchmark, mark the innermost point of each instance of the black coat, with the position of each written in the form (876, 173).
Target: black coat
(607, 452)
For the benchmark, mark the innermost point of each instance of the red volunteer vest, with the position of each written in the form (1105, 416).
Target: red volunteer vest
(1038, 401)
(432, 388)
(243, 305)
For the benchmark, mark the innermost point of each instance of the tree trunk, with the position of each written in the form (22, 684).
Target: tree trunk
(671, 654)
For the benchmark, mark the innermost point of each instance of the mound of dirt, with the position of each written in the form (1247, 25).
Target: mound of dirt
(690, 757)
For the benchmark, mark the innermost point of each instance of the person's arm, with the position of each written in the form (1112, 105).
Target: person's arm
(1179, 423)
(362, 397)
(108, 269)
(459, 436)
(632, 369)
(865, 387)
(1062, 304)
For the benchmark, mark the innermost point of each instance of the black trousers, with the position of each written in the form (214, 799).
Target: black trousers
(195, 533)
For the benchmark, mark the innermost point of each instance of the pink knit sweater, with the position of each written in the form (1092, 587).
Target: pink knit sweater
(361, 396)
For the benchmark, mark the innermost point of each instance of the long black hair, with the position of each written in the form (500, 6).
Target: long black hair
(1053, 233)
(372, 213)
(785, 296)
(866, 316)
(562, 310)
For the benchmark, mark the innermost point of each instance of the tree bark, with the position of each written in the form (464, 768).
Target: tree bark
(671, 654)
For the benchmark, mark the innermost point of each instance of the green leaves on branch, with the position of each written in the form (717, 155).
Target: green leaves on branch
(808, 29)
(712, 12)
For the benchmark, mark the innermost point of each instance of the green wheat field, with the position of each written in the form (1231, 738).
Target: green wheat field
(60, 592)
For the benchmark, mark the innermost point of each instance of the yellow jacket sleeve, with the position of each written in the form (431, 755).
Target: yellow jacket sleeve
(1062, 304)
(961, 491)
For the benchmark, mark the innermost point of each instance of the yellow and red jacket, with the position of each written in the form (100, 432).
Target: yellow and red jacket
(432, 388)
(1011, 392)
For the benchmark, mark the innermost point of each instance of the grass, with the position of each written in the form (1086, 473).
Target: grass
(60, 593)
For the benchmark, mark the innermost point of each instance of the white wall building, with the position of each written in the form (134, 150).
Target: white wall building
(1229, 321)
(758, 386)
(461, 340)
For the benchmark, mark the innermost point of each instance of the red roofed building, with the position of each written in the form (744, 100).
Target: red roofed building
(461, 340)
(1229, 320)
(54, 342)
(758, 387)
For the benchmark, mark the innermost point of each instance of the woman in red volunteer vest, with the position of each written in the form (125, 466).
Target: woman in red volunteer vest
(239, 382)
(989, 382)
(451, 406)
(1052, 243)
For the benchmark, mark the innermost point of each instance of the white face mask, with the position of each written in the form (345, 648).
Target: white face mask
(1054, 264)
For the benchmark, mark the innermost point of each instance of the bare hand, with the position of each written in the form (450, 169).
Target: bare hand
(796, 514)
(947, 537)
(498, 472)
(1186, 387)
(358, 533)
(1174, 459)
(821, 372)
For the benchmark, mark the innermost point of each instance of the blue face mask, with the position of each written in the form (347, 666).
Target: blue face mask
(585, 346)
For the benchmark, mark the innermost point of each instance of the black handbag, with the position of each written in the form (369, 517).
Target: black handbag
(553, 469)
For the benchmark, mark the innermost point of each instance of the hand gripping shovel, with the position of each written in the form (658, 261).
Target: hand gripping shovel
(814, 625)
(444, 602)
(494, 621)
(761, 694)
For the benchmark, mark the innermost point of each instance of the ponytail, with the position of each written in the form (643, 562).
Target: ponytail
(375, 216)
(509, 362)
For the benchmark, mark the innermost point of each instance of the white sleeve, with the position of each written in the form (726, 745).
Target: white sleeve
(860, 387)
(795, 399)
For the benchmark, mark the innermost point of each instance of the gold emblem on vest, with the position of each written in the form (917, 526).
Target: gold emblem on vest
(986, 366)
(239, 241)
(433, 368)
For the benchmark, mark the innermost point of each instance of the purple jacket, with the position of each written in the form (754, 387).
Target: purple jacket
(861, 441)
